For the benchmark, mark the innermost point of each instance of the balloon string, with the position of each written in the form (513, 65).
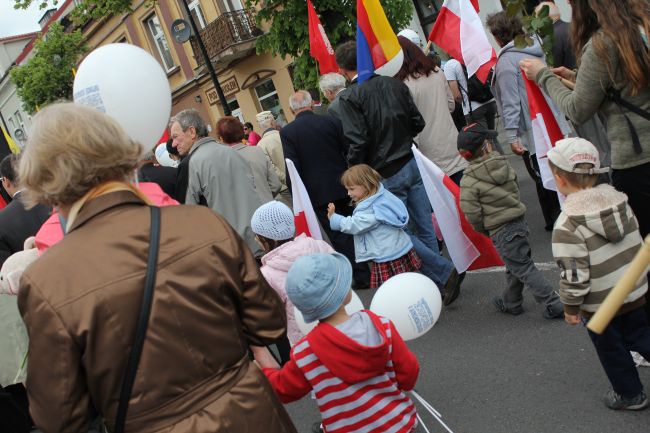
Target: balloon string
(431, 410)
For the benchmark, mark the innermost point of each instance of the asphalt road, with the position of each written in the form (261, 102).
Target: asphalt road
(487, 372)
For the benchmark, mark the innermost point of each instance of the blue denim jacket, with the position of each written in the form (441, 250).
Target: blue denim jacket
(377, 224)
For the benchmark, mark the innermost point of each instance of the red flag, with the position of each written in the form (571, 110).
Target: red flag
(303, 212)
(468, 249)
(319, 45)
(458, 30)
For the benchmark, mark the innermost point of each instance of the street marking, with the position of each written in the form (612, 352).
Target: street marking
(544, 266)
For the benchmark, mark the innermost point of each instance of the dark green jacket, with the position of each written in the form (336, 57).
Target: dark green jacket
(489, 194)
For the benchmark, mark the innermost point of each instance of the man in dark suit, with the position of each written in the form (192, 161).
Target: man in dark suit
(165, 177)
(317, 147)
(16, 222)
(16, 225)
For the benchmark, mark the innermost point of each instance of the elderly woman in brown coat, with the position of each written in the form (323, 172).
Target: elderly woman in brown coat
(80, 301)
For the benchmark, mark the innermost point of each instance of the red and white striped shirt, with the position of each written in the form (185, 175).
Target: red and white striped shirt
(358, 388)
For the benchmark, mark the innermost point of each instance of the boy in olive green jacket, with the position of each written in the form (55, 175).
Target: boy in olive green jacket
(489, 198)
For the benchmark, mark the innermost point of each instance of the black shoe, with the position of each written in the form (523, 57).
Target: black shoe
(316, 428)
(501, 306)
(618, 402)
(452, 287)
(554, 312)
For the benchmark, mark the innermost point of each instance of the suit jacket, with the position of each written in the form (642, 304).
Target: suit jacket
(165, 177)
(80, 302)
(17, 224)
(317, 147)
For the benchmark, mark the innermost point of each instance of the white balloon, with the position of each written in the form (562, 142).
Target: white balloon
(128, 84)
(411, 301)
(163, 158)
(353, 306)
(392, 67)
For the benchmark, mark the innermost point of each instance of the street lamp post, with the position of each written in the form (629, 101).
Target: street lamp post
(207, 61)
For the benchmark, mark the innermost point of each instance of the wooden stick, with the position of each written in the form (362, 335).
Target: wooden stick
(427, 48)
(624, 287)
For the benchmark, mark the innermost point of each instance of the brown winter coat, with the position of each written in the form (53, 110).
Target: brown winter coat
(80, 302)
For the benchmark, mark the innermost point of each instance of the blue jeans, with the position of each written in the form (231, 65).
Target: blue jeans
(407, 185)
(625, 332)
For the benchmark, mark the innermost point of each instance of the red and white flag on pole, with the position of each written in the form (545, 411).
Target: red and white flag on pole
(304, 215)
(546, 130)
(458, 30)
(468, 249)
(319, 45)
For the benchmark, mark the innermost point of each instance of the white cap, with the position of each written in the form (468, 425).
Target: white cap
(264, 116)
(411, 36)
(274, 220)
(570, 152)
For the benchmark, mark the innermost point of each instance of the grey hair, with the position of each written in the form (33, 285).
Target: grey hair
(553, 10)
(191, 117)
(299, 100)
(332, 82)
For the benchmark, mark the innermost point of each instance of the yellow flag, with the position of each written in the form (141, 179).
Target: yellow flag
(10, 142)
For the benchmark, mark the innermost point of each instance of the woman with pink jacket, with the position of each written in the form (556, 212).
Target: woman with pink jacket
(274, 227)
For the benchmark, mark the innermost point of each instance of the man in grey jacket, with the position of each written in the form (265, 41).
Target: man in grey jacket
(218, 177)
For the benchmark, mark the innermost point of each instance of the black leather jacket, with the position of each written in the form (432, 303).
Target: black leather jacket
(380, 120)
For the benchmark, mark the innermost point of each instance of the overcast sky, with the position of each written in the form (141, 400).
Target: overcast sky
(18, 21)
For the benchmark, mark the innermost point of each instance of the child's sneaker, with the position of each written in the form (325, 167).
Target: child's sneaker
(639, 360)
(554, 311)
(501, 306)
(617, 402)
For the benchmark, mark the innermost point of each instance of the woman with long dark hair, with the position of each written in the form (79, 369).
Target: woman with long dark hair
(611, 45)
(432, 96)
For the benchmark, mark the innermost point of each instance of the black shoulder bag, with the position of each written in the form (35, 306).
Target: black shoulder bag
(143, 320)
(615, 96)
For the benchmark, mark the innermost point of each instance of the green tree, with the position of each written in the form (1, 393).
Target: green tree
(289, 33)
(48, 75)
(541, 25)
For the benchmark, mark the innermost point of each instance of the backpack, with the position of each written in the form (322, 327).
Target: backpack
(477, 91)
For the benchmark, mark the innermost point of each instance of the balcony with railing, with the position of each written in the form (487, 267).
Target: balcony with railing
(228, 38)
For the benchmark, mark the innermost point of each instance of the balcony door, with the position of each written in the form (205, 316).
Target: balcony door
(231, 5)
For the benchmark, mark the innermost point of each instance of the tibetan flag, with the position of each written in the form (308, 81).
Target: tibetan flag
(303, 212)
(546, 130)
(320, 47)
(468, 249)
(378, 50)
(458, 30)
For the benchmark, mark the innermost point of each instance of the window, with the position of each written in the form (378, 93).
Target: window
(197, 13)
(159, 39)
(19, 120)
(233, 104)
(268, 97)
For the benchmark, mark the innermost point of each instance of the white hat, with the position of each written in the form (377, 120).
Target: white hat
(570, 152)
(411, 36)
(264, 116)
(274, 220)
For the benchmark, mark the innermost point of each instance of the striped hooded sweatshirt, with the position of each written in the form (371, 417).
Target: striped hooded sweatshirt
(594, 240)
(358, 388)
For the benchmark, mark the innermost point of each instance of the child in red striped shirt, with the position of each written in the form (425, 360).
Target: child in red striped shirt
(357, 365)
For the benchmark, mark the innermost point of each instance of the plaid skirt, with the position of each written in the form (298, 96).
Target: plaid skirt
(381, 272)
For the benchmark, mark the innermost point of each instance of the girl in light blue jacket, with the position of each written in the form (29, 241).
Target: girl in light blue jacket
(377, 225)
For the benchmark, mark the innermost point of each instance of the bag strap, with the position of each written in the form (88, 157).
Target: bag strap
(143, 320)
(615, 96)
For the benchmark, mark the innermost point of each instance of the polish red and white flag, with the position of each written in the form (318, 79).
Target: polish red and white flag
(546, 131)
(303, 212)
(468, 249)
(320, 47)
(459, 31)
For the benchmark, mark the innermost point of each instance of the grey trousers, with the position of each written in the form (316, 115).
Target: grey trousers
(511, 241)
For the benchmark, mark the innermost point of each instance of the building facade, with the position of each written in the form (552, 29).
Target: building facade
(251, 83)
